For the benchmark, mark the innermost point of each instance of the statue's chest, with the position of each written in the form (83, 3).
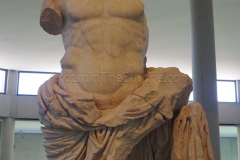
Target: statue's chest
(85, 9)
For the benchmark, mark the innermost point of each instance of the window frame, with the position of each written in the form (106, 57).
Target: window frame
(35, 72)
(235, 90)
(5, 84)
(235, 84)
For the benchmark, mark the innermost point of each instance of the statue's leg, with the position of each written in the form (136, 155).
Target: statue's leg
(155, 146)
(133, 133)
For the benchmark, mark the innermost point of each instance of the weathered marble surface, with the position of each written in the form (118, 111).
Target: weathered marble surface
(99, 37)
(77, 129)
(185, 137)
(105, 104)
(191, 139)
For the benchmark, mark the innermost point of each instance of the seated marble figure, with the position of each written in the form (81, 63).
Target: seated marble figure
(105, 103)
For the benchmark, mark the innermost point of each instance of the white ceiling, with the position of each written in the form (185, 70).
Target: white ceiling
(25, 46)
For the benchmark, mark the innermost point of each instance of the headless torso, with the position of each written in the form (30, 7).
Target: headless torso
(105, 42)
(104, 38)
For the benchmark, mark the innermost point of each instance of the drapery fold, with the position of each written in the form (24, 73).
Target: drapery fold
(75, 128)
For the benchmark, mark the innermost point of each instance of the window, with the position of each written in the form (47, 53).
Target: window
(228, 130)
(3, 76)
(27, 126)
(29, 82)
(226, 91)
(191, 97)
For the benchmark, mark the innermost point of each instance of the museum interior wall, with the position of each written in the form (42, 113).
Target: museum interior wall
(29, 147)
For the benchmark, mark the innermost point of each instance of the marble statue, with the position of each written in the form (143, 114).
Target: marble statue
(106, 104)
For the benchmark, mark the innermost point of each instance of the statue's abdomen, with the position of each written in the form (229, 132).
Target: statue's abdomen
(105, 46)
